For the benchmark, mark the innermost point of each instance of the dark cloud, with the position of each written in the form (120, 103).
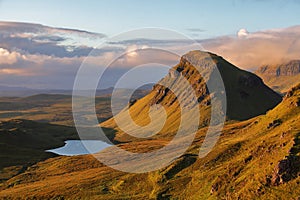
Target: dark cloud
(19, 27)
(39, 39)
(45, 48)
(50, 39)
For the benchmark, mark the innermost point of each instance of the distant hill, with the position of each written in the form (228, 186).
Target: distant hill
(6, 91)
(8, 88)
(55, 108)
(281, 77)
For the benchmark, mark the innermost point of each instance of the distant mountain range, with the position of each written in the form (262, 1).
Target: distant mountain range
(281, 77)
(7, 91)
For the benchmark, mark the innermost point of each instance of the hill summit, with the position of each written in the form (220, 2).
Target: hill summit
(247, 95)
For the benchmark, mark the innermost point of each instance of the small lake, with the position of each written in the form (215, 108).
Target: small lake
(78, 147)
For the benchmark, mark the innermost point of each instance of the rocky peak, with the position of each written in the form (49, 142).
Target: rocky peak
(247, 96)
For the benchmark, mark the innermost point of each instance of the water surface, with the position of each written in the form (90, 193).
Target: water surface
(76, 147)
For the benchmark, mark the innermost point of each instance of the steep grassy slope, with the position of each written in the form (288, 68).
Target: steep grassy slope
(246, 94)
(254, 159)
(281, 77)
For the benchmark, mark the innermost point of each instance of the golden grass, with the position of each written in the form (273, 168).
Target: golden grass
(239, 165)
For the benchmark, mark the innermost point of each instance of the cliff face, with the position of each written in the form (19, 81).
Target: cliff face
(281, 77)
(291, 68)
(247, 95)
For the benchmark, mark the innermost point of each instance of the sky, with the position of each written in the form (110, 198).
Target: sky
(51, 39)
(196, 18)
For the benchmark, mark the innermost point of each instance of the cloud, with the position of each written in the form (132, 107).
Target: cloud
(259, 48)
(37, 56)
(152, 42)
(247, 50)
(197, 30)
(30, 28)
(242, 33)
(7, 57)
(39, 39)
(12, 71)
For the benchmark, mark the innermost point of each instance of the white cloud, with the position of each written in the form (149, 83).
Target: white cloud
(131, 51)
(9, 58)
(242, 33)
(258, 48)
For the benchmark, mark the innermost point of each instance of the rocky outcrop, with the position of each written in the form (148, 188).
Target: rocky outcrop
(288, 168)
(285, 170)
(292, 91)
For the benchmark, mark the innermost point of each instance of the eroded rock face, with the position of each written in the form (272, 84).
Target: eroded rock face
(287, 69)
(247, 96)
(285, 170)
(282, 172)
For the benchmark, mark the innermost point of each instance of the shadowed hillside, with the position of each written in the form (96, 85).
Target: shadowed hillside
(24, 143)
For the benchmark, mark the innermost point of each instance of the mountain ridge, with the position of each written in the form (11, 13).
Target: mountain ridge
(280, 77)
(247, 96)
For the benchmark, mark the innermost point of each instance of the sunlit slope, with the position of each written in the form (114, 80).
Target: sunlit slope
(246, 94)
(254, 159)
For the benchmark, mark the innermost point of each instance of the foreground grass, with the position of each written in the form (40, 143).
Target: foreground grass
(241, 166)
